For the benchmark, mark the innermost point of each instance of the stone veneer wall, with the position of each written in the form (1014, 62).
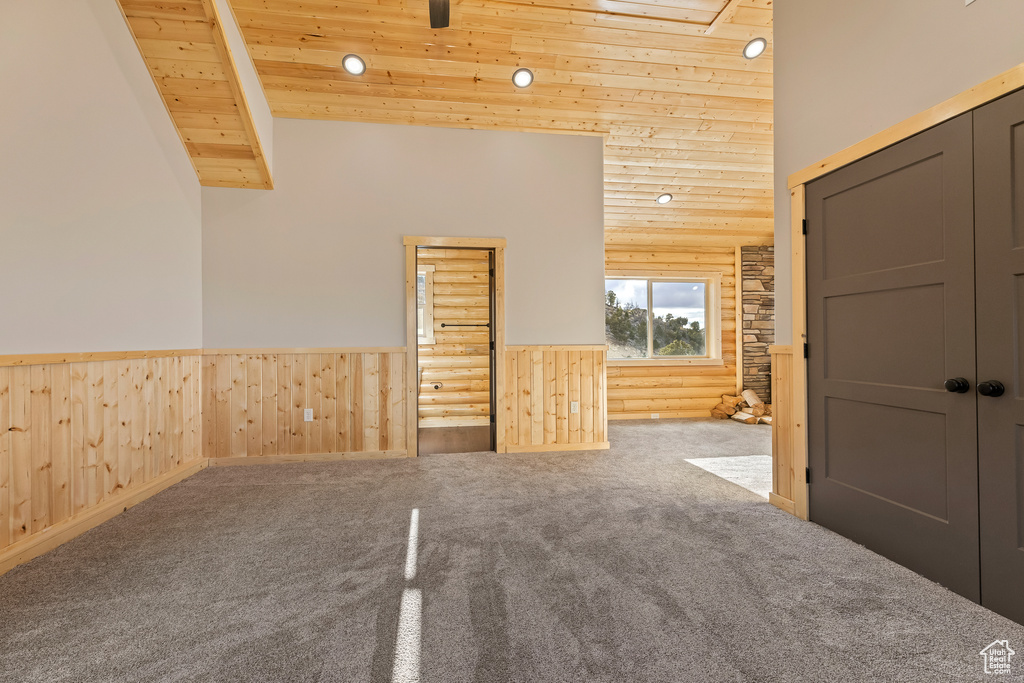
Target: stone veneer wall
(758, 318)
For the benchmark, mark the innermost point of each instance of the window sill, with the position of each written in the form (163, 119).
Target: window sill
(666, 361)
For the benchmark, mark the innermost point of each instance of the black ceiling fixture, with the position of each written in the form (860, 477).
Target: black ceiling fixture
(439, 13)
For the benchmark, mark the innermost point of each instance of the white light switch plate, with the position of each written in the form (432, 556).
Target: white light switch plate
(655, 416)
(307, 414)
(574, 406)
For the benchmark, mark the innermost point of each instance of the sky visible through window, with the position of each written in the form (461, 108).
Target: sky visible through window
(681, 299)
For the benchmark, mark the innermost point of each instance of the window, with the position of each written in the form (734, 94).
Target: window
(663, 319)
(425, 304)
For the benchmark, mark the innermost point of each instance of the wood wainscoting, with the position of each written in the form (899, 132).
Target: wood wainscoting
(254, 403)
(541, 383)
(83, 441)
(640, 389)
(789, 445)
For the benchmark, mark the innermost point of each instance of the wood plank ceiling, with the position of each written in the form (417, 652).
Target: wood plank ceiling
(682, 111)
(664, 81)
(186, 51)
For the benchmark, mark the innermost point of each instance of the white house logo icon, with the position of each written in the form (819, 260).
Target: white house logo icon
(997, 657)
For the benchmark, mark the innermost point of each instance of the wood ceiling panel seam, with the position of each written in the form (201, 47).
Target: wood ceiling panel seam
(396, 96)
(616, 111)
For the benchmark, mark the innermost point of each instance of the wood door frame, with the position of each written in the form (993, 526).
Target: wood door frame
(795, 461)
(498, 244)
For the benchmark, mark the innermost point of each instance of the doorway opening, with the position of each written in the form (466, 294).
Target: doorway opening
(455, 344)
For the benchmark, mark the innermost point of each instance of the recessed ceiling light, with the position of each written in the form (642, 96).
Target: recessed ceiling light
(755, 48)
(664, 199)
(522, 78)
(354, 65)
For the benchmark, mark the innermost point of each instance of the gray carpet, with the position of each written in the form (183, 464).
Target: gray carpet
(620, 565)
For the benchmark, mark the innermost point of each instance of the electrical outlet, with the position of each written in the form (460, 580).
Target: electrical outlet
(655, 416)
(307, 414)
(574, 406)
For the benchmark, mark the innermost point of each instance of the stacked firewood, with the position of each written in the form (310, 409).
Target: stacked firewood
(747, 408)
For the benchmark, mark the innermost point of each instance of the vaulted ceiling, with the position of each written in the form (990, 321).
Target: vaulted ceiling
(681, 110)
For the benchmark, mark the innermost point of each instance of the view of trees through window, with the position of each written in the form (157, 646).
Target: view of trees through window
(645, 318)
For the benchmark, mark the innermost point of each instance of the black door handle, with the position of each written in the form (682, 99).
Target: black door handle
(991, 388)
(957, 385)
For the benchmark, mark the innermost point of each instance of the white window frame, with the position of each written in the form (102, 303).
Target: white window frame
(428, 306)
(712, 319)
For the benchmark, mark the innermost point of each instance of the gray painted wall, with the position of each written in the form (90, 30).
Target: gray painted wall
(100, 233)
(319, 261)
(847, 70)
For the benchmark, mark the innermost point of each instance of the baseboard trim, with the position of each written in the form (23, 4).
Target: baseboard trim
(313, 457)
(784, 504)
(38, 544)
(551, 447)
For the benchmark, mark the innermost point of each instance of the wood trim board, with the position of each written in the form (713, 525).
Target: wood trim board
(470, 242)
(91, 356)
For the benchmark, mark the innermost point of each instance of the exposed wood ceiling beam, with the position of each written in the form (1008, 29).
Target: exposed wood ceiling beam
(187, 54)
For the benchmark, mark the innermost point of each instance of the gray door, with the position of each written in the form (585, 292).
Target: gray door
(999, 196)
(890, 295)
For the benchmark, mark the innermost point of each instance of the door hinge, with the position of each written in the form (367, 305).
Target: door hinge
(492, 272)
(492, 346)
(805, 226)
(492, 418)
(808, 475)
(807, 353)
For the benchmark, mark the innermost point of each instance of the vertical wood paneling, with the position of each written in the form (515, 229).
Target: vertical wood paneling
(258, 401)
(238, 399)
(83, 455)
(60, 444)
(268, 425)
(41, 463)
(125, 398)
(356, 405)
(789, 455)
(550, 396)
(329, 403)
(541, 382)
(384, 401)
(574, 397)
(254, 403)
(297, 401)
(110, 399)
(73, 435)
(284, 399)
(562, 397)
(209, 406)
(314, 401)
(155, 445)
(5, 457)
(343, 375)
(21, 453)
(511, 400)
